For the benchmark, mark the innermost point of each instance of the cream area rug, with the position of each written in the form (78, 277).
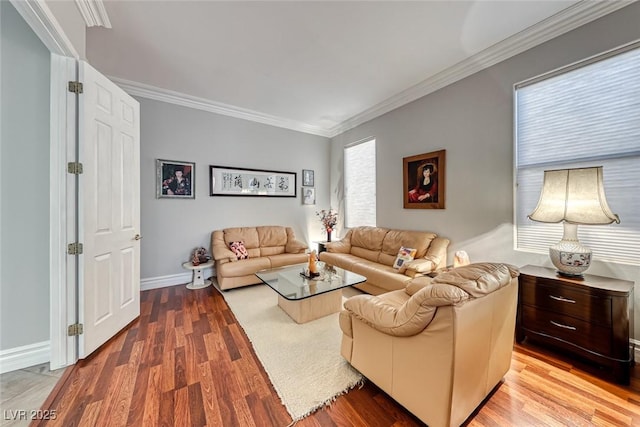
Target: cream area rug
(302, 360)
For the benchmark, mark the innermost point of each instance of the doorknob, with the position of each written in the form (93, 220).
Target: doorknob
(137, 237)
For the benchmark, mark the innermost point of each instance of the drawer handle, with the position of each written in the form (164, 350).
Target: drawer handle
(562, 299)
(560, 325)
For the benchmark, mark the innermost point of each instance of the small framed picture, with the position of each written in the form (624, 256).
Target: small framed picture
(307, 178)
(308, 196)
(175, 179)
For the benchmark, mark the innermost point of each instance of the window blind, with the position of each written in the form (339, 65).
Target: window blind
(360, 184)
(586, 115)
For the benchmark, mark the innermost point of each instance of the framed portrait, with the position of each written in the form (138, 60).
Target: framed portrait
(308, 195)
(307, 178)
(175, 179)
(424, 181)
(230, 181)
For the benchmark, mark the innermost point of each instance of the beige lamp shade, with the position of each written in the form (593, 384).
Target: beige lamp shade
(575, 196)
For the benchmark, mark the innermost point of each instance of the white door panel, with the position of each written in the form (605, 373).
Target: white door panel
(109, 209)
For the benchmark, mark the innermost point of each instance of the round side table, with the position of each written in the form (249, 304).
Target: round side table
(198, 276)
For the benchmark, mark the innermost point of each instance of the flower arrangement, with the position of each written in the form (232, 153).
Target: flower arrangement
(329, 219)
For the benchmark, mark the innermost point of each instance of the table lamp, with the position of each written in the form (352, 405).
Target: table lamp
(573, 197)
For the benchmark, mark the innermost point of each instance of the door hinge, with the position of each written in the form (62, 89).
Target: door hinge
(75, 87)
(75, 168)
(75, 329)
(74, 248)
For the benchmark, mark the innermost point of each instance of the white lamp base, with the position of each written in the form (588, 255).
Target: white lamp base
(568, 255)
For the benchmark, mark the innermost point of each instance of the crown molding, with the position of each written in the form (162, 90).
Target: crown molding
(569, 19)
(177, 98)
(94, 13)
(39, 17)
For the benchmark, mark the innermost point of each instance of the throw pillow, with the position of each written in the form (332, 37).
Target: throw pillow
(239, 249)
(404, 255)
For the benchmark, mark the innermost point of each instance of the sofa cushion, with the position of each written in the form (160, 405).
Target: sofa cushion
(271, 250)
(247, 266)
(369, 238)
(341, 260)
(282, 260)
(239, 250)
(394, 239)
(247, 235)
(364, 253)
(383, 276)
(404, 255)
(272, 236)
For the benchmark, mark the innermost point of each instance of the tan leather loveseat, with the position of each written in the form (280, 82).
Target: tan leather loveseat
(267, 246)
(371, 252)
(439, 346)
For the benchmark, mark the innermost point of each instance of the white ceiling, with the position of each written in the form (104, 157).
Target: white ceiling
(316, 66)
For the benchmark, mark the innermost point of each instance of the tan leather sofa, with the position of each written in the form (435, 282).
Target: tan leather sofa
(439, 346)
(268, 247)
(371, 252)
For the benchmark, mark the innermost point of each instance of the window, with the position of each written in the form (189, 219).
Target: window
(587, 114)
(360, 184)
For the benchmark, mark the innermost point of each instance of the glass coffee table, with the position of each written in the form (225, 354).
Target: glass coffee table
(305, 299)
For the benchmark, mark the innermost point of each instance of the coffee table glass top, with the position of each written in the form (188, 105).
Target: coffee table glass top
(291, 285)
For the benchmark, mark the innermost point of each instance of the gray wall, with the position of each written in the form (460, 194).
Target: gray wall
(473, 120)
(172, 228)
(24, 183)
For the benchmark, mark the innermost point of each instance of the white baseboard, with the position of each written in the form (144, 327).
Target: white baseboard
(170, 280)
(22, 357)
(636, 352)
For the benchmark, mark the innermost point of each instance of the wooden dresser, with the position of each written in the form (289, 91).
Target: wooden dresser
(590, 319)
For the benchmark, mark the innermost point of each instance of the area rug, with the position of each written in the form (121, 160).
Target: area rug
(302, 360)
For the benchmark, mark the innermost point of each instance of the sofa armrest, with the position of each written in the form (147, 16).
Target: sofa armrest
(295, 247)
(479, 279)
(417, 284)
(345, 323)
(388, 318)
(341, 246)
(420, 266)
(223, 254)
(219, 249)
(438, 251)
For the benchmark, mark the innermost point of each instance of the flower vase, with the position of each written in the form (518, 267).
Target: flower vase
(328, 235)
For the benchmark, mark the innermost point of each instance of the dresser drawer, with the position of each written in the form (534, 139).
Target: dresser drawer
(590, 318)
(584, 334)
(567, 301)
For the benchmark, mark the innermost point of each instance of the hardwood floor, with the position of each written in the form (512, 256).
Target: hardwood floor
(186, 362)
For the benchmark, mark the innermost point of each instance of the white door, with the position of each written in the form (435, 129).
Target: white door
(109, 209)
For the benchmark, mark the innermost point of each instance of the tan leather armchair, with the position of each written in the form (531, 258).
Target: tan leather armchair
(439, 346)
